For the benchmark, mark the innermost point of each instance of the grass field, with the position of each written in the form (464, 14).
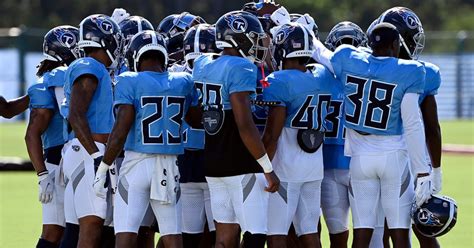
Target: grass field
(20, 212)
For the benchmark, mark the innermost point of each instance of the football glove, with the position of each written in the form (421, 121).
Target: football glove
(46, 186)
(100, 180)
(437, 178)
(422, 190)
(119, 15)
(281, 16)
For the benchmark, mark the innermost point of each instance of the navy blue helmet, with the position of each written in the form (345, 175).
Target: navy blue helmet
(60, 44)
(436, 217)
(346, 33)
(145, 41)
(243, 31)
(410, 28)
(198, 40)
(292, 41)
(173, 28)
(133, 25)
(100, 31)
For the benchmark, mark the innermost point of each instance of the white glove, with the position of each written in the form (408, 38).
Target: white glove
(436, 177)
(422, 190)
(281, 16)
(119, 15)
(100, 181)
(308, 22)
(46, 186)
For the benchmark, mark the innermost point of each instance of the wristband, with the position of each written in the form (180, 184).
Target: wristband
(265, 163)
(96, 155)
(436, 170)
(103, 166)
(41, 173)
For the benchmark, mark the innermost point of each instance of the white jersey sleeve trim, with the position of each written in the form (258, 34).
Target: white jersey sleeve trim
(414, 133)
(59, 95)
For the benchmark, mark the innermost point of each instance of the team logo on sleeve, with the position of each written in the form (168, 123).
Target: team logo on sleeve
(106, 26)
(283, 33)
(65, 37)
(237, 23)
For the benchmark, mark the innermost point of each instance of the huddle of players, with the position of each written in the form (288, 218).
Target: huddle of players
(131, 91)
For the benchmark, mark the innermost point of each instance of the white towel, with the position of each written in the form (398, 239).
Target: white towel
(165, 180)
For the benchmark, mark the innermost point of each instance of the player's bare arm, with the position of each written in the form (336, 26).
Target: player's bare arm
(123, 123)
(275, 123)
(429, 111)
(38, 123)
(9, 109)
(82, 92)
(249, 133)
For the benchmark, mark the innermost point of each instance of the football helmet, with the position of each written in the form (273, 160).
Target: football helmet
(307, 21)
(346, 33)
(243, 31)
(145, 41)
(436, 217)
(198, 40)
(60, 44)
(132, 25)
(292, 41)
(410, 28)
(173, 28)
(102, 32)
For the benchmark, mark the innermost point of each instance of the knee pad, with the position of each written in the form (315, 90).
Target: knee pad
(254, 240)
(70, 236)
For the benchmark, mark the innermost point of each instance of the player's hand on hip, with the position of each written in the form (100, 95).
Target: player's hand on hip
(272, 181)
(100, 180)
(46, 186)
(436, 178)
(423, 189)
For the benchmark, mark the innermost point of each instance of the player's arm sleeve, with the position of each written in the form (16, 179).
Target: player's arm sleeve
(322, 55)
(124, 91)
(416, 81)
(41, 97)
(59, 95)
(275, 93)
(243, 78)
(85, 67)
(414, 133)
(434, 82)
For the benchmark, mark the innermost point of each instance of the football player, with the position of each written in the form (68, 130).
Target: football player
(234, 155)
(195, 199)
(294, 136)
(89, 101)
(44, 137)
(151, 104)
(14, 107)
(413, 39)
(335, 184)
(130, 26)
(384, 132)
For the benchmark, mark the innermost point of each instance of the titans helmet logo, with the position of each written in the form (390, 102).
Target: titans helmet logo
(238, 24)
(283, 33)
(106, 26)
(65, 37)
(427, 218)
(411, 20)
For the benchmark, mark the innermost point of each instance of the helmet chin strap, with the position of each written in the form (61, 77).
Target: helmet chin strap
(111, 57)
(251, 58)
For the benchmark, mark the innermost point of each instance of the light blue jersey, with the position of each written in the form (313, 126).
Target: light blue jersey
(374, 88)
(193, 138)
(305, 96)
(42, 97)
(99, 114)
(432, 82)
(333, 149)
(218, 78)
(160, 101)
